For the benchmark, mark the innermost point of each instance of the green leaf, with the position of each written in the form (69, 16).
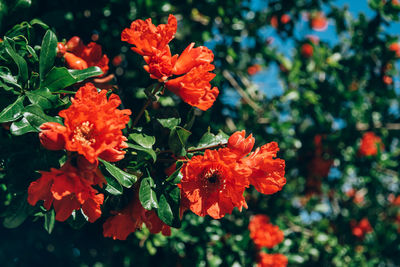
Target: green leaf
(176, 176)
(177, 140)
(144, 140)
(169, 123)
(147, 196)
(19, 60)
(58, 79)
(13, 111)
(18, 212)
(8, 79)
(43, 97)
(190, 118)
(49, 220)
(148, 151)
(36, 117)
(113, 186)
(168, 206)
(124, 178)
(48, 53)
(21, 127)
(81, 75)
(210, 139)
(40, 23)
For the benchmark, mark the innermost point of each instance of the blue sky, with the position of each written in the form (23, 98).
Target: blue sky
(267, 80)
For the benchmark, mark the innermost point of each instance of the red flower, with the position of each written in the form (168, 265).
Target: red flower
(285, 18)
(213, 183)
(93, 126)
(191, 58)
(319, 21)
(267, 171)
(147, 38)
(274, 22)
(131, 218)
(194, 87)
(395, 47)
(68, 190)
(370, 144)
(81, 57)
(263, 233)
(239, 144)
(194, 64)
(361, 228)
(387, 79)
(52, 136)
(252, 70)
(271, 260)
(307, 50)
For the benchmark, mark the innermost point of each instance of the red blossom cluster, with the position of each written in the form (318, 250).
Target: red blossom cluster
(131, 218)
(214, 183)
(192, 67)
(370, 143)
(361, 228)
(265, 234)
(92, 128)
(284, 19)
(79, 56)
(271, 260)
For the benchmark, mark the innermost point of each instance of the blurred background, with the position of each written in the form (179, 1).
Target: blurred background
(319, 77)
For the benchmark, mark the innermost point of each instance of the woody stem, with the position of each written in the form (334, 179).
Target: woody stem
(148, 102)
(197, 149)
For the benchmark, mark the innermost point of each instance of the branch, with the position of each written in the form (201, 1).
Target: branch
(241, 91)
(148, 102)
(195, 149)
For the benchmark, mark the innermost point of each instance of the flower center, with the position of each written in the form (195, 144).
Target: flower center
(83, 134)
(212, 176)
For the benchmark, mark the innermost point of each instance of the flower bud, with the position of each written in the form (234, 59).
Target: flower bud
(61, 49)
(75, 45)
(52, 136)
(239, 144)
(75, 62)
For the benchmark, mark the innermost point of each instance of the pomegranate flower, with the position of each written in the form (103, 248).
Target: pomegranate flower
(263, 233)
(319, 21)
(214, 183)
(93, 126)
(147, 38)
(68, 190)
(79, 56)
(132, 218)
(361, 228)
(193, 66)
(271, 260)
(370, 144)
(194, 87)
(267, 171)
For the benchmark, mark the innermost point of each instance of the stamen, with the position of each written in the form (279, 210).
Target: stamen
(83, 134)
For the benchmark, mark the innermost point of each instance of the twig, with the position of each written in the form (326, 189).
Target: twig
(195, 149)
(241, 91)
(389, 126)
(148, 102)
